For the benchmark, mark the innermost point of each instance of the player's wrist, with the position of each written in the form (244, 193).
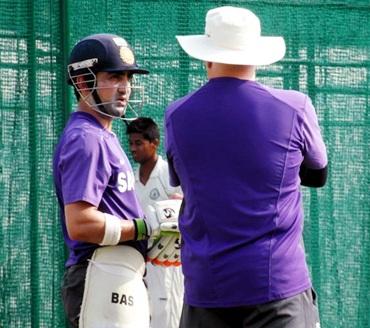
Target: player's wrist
(142, 229)
(112, 230)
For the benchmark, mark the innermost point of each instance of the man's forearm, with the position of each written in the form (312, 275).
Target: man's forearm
(313, 177)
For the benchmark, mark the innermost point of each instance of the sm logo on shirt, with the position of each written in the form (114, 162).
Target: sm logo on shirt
(125, 181)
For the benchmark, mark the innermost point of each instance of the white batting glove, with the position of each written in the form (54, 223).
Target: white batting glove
(163, 216)
(166, 251)
(165, 238)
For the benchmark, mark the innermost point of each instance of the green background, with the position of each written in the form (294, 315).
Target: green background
(328, 57)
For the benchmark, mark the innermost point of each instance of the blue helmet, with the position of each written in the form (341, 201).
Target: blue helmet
(102, 53)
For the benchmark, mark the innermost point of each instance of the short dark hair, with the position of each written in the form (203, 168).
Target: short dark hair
(145, 126)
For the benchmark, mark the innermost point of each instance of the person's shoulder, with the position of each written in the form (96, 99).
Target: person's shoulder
(279, 92)
(161, 170)
(162, 163)
(83, 135)
(160, 167)
(176, 104)
(292, 98)
(84, 126)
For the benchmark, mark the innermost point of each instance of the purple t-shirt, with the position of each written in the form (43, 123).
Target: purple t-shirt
(89, 165)
(236, 147)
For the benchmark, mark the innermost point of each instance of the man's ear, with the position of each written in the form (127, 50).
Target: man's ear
(81, 84)
(156, 142)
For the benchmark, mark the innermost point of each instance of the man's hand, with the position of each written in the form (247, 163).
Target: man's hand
(165, 238)
(143, 230)
(163, 217)
(165, 251)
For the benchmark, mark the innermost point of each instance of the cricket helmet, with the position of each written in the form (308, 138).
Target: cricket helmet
(102, 53)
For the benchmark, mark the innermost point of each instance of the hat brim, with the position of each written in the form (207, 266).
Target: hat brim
(265, 51)
(131, 69)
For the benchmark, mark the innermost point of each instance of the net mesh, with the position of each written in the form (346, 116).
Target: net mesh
(328, 57)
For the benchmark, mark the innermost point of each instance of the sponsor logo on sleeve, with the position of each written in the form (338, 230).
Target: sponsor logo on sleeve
(125, 181)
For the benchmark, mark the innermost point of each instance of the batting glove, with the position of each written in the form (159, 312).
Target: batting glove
(165, 238)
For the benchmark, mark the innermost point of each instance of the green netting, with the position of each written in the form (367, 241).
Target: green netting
(328, 57)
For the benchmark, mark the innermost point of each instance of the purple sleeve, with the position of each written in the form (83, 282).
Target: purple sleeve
(174, 180)
(314, 154)
(85, 170)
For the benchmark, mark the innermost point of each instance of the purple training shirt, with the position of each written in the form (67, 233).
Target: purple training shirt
(236, 147)
(89, 165)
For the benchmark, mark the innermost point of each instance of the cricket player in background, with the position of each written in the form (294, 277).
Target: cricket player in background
(165, 284)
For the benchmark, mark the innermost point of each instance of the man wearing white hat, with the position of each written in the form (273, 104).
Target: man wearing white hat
(240, 151)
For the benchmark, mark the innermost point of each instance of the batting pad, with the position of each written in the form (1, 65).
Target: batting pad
(115, 295)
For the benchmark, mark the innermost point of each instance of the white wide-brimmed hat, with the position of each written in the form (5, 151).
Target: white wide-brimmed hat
(233, 36)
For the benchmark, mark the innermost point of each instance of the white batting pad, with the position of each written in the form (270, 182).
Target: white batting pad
(115, 295)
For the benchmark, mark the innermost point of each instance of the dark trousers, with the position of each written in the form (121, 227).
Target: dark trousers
(72, 292)
(73, 287)
(299, 311)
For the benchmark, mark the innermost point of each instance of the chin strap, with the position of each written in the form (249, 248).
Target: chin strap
(97, 104)
(98, 101)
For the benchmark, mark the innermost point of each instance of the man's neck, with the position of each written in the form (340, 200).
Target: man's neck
(105, 121)
(146, 169)
(215, 70)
